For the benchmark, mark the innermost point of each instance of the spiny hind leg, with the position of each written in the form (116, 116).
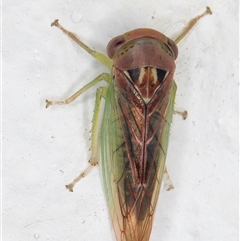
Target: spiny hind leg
(101, 93)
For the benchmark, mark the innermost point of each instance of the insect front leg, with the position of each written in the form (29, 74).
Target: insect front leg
(97, 55)
(103, 76)
(191, 24)
(101, 92)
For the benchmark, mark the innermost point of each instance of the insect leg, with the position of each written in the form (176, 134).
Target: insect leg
(184, 113)
(97, 55)
(101, 92)
(167, 178)
(191, 24)
(103, 76)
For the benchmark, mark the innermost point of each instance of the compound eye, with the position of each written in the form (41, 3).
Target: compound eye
(114, 45)
(173, 47)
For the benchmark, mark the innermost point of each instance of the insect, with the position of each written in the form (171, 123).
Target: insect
(139, 105)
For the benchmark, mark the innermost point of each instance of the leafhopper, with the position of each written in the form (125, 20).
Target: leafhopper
(134, 133)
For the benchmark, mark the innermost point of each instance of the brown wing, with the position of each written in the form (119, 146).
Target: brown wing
(134, 146)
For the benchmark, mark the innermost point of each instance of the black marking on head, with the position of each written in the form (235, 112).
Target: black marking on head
(134, 74)
(161, 74)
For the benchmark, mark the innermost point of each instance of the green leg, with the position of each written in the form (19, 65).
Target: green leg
(191, 24)
(97, 55)
(101, 92)
(99, 78)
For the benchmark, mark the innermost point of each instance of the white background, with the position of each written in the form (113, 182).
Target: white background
(44, 149)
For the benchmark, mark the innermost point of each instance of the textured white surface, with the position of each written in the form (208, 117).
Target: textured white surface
(44, 149)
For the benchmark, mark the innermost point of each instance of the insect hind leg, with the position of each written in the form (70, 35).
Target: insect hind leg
(79, 177)
(101, 93)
